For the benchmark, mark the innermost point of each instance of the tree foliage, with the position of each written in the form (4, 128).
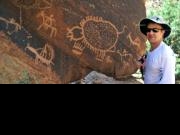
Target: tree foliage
(170, 11)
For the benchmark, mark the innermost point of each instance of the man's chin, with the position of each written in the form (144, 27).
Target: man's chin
(152, 41)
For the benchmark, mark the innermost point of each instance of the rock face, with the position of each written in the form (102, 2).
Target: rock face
(16, 67)
(74, 37)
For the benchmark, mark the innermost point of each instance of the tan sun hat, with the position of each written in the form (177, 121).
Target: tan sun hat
(155, 19)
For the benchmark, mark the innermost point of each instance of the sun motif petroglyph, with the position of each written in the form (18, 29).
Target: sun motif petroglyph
(95, 33)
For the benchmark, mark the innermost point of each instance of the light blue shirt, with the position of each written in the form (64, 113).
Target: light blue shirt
(160, 66)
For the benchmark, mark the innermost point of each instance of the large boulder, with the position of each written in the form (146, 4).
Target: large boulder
(74, 37)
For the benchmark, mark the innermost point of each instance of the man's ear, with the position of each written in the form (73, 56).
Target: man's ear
(163, 31)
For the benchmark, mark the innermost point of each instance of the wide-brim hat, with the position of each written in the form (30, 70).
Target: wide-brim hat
(159, 20)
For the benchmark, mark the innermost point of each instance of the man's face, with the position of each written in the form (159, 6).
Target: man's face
(155, 33)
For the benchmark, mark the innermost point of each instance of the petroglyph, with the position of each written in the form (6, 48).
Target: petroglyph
(48, 23)
(136, 42)
(70, 11)
(34, 4)
(124, 54)
(78, 48)
(17, 27)
(43, 55)
(11, 21)
(5, 21)
(95, 33)
(48, 53)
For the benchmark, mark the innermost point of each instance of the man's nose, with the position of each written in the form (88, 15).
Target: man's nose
(151, 32)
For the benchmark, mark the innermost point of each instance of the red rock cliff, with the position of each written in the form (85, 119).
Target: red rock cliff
(74, 37)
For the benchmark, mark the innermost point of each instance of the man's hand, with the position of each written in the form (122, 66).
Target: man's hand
(142, 62)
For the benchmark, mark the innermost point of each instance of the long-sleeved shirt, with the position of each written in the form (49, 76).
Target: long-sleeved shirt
(160, 66)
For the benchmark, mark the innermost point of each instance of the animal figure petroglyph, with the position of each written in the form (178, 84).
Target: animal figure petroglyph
(17, 27)
(46, 55)
(5, 21)
(48, 22)
(95, 33)
(48, 52)
(11, 21)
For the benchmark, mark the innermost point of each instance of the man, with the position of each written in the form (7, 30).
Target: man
(159, 66)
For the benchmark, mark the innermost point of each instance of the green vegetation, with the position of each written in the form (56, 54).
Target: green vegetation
(26, 78)
(178, 69)
(170, 11)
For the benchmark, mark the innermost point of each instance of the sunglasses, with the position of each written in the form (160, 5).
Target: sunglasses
(155, 30)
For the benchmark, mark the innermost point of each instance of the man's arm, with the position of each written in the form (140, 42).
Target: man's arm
(168, 71)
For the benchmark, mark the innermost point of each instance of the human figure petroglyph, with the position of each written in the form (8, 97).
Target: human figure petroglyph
(97, 34)
(124, 54)
(48, 22)
(11, 21)
(136, 42)
(42, 57)
(27, 4)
